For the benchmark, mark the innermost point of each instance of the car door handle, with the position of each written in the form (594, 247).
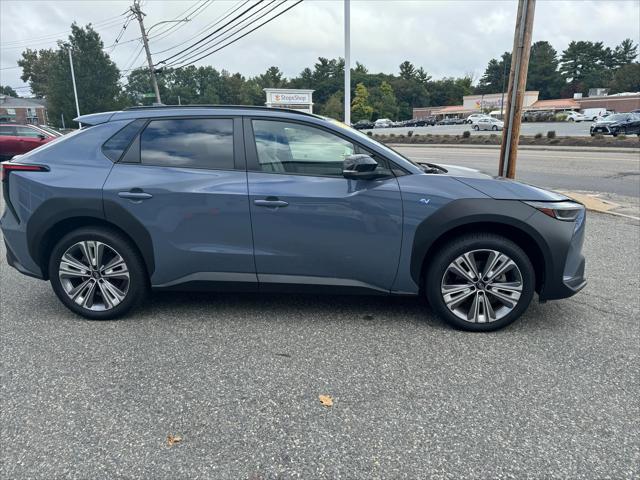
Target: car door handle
(135, 195)
(270, 203)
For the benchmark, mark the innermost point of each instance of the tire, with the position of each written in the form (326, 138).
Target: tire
(129, 278)
(571, 120)
(476, 128)
(519, 276)
(494, 128)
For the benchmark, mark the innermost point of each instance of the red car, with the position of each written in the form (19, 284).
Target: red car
(18, 139)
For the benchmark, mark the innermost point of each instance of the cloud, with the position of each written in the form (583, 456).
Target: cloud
(447, 38)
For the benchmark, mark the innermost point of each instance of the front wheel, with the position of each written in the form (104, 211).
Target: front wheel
(494, 128)
(480, 282)
(476, 128)
(97, 273)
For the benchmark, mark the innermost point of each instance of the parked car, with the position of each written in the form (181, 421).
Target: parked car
(363, 125)
(421, 122)
(278, 200)
(474, 117)
(617, 124)
(572, 116)
(451, 121)
(383, 123)
(17, 139)
(593, 113)
(488, 124)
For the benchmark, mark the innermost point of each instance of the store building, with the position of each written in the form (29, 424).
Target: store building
(297, 99)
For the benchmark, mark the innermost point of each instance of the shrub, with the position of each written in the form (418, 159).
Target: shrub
(599, 136)
(554, 141)
(560, 117)
(466, 134)
(392, 135)
(410, 133)
(538, 135)
(370, 133)
(622, 136)
(551, 134)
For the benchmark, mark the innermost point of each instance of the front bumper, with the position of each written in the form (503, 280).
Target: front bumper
(602, 129)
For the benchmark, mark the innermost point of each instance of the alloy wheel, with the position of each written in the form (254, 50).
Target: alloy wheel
(94, 275)
(482, 286)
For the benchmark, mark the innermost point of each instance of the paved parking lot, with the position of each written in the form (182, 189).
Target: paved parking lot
(562, 129)
(238, 378)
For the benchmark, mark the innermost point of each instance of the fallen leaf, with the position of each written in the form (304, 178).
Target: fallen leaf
(326, 400)
(173, 439)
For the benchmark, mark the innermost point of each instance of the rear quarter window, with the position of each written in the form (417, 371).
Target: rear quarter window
(118, 144)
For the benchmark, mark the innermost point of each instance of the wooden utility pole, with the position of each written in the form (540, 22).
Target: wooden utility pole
(517, 86)
(135, 9)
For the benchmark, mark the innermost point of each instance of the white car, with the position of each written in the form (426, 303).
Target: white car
(383, 123)
(488, 123)
(474, 117)
(575, 117)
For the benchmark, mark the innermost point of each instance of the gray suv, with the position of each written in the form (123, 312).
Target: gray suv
(268, 200)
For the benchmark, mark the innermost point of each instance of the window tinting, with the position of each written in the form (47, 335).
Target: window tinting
(191, 143)
(28, 132)
(116, 145)
(292, 148)
(7, 131)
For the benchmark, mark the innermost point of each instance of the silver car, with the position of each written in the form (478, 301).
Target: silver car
(488, 123)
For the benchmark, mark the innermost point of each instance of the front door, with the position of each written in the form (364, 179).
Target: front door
(184, 182)
(310, 224)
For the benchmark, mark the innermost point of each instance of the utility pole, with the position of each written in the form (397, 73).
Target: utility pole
(347, 64)
(135, 9)
(517, 86)
(75, 90)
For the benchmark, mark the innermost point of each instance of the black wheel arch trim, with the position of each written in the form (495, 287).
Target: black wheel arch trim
(59, 211)
(470, 212)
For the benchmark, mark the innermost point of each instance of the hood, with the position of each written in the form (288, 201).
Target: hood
(501, 188)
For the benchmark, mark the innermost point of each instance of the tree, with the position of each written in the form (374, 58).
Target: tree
(496, 75)
(384, 102)
(334, 108)
(360, 108)
(584, 65)
(407, 70)
(625, 53)
(272, 78)
(7, 90)
(626, 79)
(543, 72)
(35, 69)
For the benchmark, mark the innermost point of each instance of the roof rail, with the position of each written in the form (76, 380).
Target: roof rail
(248, 107)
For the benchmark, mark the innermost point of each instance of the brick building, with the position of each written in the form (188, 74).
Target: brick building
(22, 110)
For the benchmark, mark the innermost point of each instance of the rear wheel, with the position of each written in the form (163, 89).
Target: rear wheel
(476, 128)
(494, 128)
(480, 282)
(97, 273)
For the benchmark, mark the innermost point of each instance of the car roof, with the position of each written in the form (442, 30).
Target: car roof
(190, 111)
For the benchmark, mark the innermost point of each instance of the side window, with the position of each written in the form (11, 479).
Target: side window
(28, 132)
(116, 145)
(188, 142)
(291, 148)
(7, 131)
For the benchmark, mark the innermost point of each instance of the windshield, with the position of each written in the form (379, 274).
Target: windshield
(358, 133)
(619, 116)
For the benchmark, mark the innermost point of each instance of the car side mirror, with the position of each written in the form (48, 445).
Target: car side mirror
(360, 167)
(41, 136)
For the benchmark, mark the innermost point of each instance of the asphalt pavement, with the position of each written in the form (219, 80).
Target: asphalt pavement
(562, 129)
(609, 171)
(238, 377)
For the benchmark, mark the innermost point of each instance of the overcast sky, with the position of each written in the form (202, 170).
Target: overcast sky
(447, 38)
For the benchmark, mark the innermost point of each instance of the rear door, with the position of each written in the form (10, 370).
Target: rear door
(9, 145)
(29, 138)
(311, 225)
(183, 180)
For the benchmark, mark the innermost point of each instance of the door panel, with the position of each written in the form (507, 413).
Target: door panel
(198, 220)
(319, 229)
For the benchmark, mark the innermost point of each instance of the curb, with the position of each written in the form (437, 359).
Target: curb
(595, 204)
(564, 148)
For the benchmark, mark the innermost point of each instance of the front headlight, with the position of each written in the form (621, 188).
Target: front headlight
(566, 211)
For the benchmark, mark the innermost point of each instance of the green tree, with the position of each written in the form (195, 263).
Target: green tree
(360, 108)
(496, 75)
(585, 65)
(626, 79)
(334, 108)
(625, 53)
(407, 70)
(96, 76)
(543, 72)
(35, 69)
(384, 102)
(7, 90)
(272, 78)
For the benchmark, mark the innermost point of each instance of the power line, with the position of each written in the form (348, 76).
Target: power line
(212, 33)
(208, 27)
(187, 17)
(203, 47)
(241, 36)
